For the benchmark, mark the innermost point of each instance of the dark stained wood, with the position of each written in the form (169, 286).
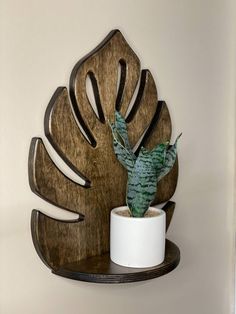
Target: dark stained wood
(66, 232)
(101, 269)
(36, 238)
(169, 210)
(91, 155)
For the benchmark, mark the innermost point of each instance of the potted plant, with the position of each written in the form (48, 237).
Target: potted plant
(137, 232)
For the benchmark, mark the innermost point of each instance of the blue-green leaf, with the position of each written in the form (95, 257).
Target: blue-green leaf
(122, 129)
(122, 153)
(170, 158)
(145, 170)
(142, 182)
(158, 155)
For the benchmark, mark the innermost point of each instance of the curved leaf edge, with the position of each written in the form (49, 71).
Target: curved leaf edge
(169, 208)
(34, 225)
(48, 135)
(153, 123)
(31, 174)
(72, 80)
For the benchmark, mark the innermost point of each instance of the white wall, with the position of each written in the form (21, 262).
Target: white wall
(188, 47)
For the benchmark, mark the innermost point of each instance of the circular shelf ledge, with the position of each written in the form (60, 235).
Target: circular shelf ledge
(101, 269)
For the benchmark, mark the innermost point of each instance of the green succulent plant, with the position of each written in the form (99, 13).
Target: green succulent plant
(144, 170)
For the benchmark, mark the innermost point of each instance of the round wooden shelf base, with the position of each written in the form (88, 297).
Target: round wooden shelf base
(101, 269)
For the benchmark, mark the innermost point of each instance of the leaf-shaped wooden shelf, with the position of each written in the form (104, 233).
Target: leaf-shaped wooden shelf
(101, 269)
(80, 135)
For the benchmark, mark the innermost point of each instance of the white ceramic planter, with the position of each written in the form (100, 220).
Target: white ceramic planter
(137, 242)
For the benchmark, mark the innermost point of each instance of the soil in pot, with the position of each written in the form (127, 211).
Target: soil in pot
(126, 213)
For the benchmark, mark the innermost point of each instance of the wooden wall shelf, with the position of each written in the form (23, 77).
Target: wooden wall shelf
(101, 269)
(79, 249)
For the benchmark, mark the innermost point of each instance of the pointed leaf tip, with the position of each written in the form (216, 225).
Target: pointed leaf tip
(179, 136)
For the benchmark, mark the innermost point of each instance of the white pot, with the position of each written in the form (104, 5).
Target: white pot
(137, 242)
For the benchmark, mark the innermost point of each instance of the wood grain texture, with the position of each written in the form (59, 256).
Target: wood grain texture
(168, 208)
(45, 230)
(101, 269)
(91, 155)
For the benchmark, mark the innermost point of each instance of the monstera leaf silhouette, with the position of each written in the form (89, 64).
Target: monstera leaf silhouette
(114, 71)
